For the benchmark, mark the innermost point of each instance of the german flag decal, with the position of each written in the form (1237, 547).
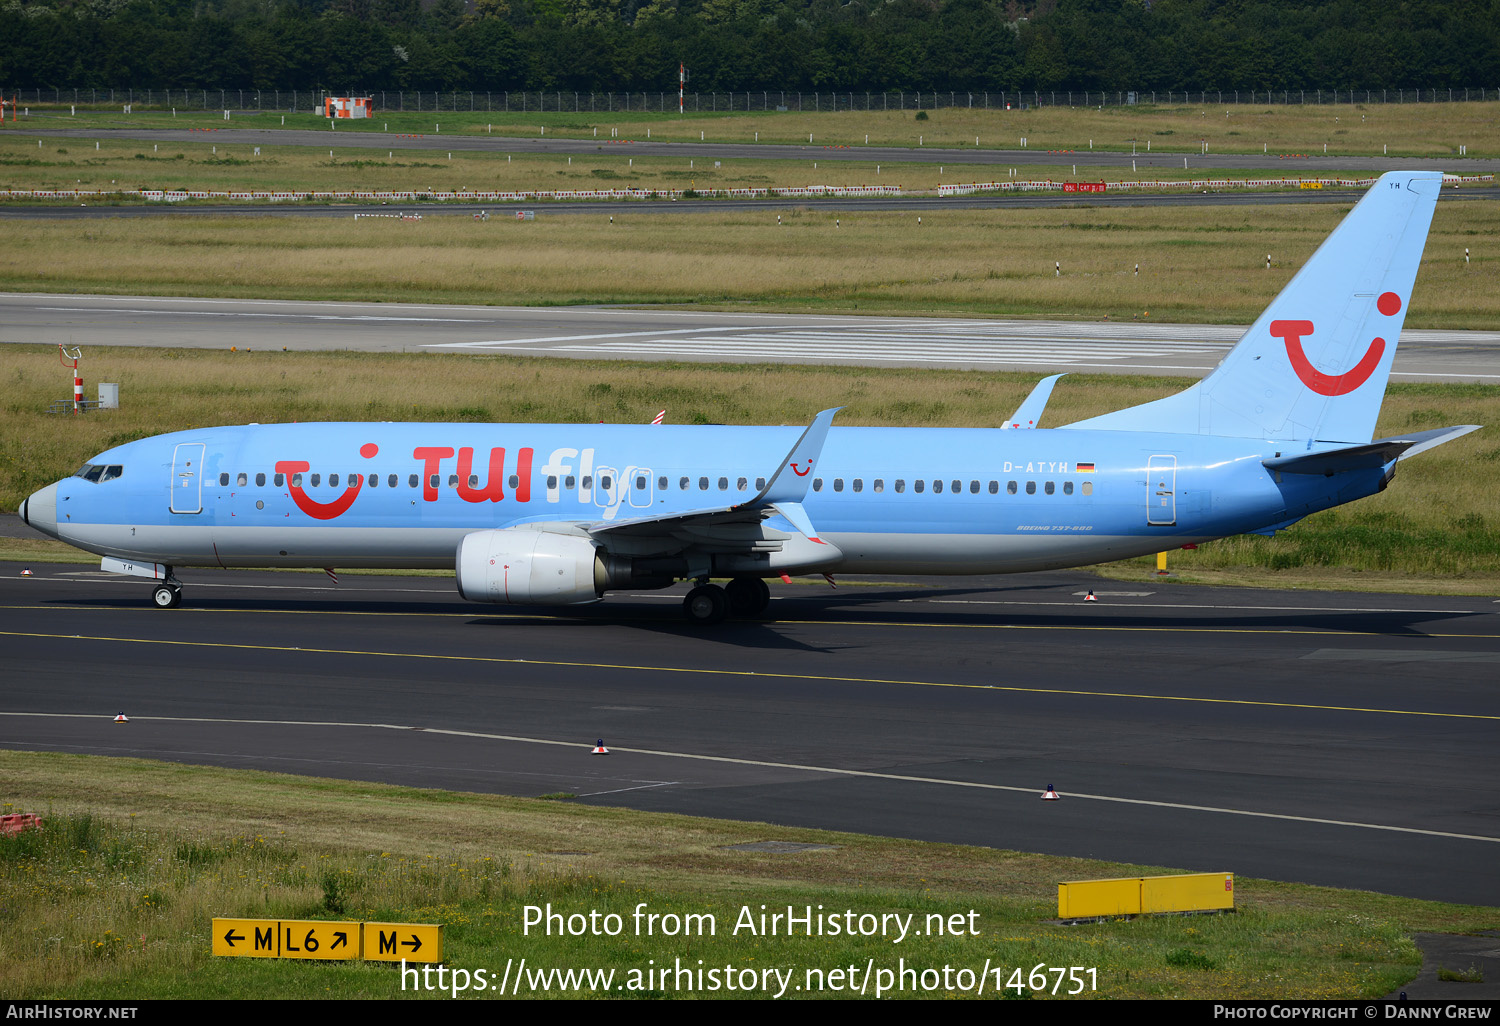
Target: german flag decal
(1085, 468)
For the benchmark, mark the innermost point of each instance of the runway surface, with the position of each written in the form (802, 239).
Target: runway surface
(1338, 739)
(615, 333)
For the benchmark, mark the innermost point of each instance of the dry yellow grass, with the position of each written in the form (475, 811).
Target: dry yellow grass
(1197, 264)
(1364, 129)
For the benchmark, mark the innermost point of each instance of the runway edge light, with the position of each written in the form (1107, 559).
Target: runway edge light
(122, 718)
(599, 748)
(1050, 795)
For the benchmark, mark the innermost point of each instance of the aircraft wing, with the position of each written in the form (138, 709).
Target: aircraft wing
(726, 525)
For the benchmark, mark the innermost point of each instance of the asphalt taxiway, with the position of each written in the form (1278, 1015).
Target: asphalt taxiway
(1339, 739)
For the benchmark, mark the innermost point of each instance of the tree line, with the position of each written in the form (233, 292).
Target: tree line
(731, 45)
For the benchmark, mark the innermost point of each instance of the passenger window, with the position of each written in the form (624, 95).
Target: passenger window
(1030, 487)
(280, 480)
(240, 481)
(817, 484)
(1088, 488)
(551, 481)
(1067, 487)
(994, 487)
(838, 484)
(260, 480)
(315, 479)
(605, 482)
(473, 481)
(514, 481)
(588, 482)
(333, 480)
(392, 480)
(453, 480)
(742, 484)
(411, 481)
(878, 485)
(1010, 487)
(760, 484)
(974, 487)
(682, 483)
(296, 480)
(434, 481)
(723, 484)
(640, 482)
(93, 475)
(570, 482)
(374, 480)
(900, 485)
(703, 484)
(918, 485)
(661, 483)
(859, 484)
(1048, 487)
(937, 488)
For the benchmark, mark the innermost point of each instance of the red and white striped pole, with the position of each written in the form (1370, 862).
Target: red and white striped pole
(681, 81)
(65, 356)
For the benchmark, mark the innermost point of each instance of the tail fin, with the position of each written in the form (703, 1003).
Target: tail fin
(1314, 366)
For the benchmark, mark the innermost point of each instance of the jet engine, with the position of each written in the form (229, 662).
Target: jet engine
(528, 566)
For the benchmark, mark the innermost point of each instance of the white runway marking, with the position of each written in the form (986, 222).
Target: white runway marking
(1030, 789)
(966, 342)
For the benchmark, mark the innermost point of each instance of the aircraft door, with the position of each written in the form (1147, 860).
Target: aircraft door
(187, 478)
(638, 479)
(606, 487)
(1161, 491)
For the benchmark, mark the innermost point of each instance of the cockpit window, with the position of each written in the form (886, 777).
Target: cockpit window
(97, 472)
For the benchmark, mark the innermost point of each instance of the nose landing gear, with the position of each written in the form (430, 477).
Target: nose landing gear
(167, 594)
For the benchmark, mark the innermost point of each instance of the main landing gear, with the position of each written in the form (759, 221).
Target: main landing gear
(709, 604)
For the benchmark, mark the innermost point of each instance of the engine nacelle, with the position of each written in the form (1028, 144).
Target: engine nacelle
(530, 567)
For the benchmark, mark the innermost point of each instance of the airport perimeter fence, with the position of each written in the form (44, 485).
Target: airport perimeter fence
(665, 102)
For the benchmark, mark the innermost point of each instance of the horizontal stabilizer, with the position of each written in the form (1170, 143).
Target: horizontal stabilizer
(1029, 413)
(1370, 456)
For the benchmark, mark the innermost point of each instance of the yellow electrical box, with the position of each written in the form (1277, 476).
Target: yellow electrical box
(1194, 892)
(1083, 899)
(1190, 892)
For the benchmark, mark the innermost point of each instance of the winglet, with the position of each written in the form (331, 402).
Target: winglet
(1029, 413)
(789, 483)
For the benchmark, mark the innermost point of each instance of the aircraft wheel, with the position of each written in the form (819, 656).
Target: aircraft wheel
(706, 604)
(164, 596)
(748, 596)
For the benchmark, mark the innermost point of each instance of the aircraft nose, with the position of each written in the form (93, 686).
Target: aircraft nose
(40, 510)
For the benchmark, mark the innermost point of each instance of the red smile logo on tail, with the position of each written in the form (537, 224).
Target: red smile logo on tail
(1292, 332)
(802, 473)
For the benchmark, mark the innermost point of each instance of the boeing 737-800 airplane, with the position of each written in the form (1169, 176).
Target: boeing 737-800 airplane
(558, 514)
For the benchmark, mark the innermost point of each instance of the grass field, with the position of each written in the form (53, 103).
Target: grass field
(1436, 528)
(113, 899)
(1197, 264)
(110, 164)
(1408, 129)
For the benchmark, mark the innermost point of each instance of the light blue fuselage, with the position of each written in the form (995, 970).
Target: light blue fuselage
(891, 500)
